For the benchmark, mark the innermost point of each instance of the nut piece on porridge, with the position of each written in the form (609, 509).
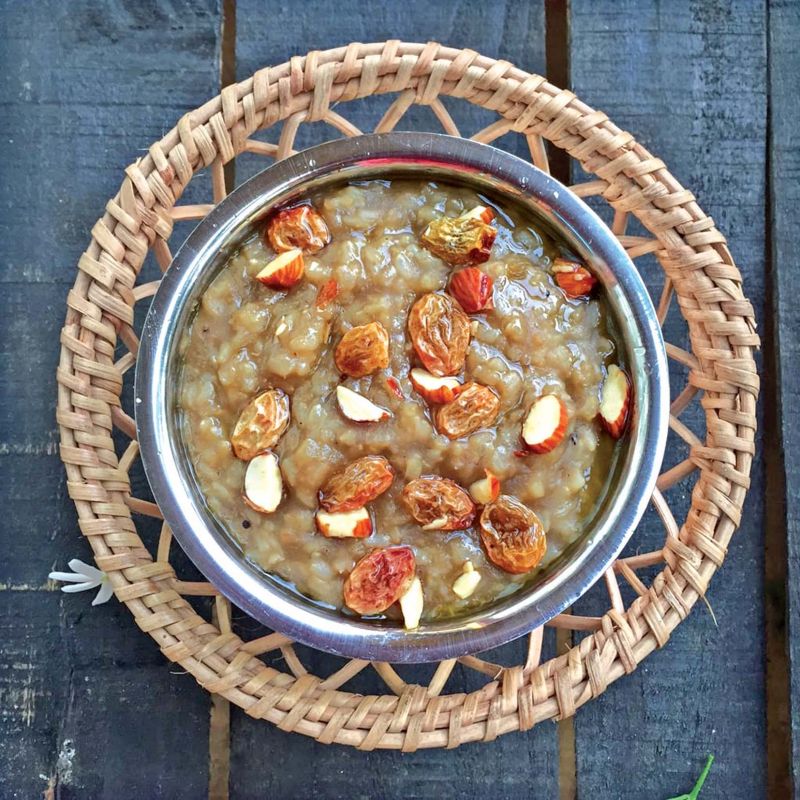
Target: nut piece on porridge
(473, 289)
(358, 408)
(261, 424)
(483, 213)
(512, 535)
(460, 240)
(411, 604)
(546, 424)
(486, 490)
(357, 484)
(263, 484)
(574, 279)
(300, 227)
(363, 350)
(355, 524)
(476, 406)
(432, 388)
(380, 579)
(327, 293)
(284, 271)
(439, 504)
(393, 385)
(467, 582)
(615, 401)
(439, 331)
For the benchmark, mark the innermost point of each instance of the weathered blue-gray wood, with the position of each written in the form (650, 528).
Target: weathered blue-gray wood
(90, 707)
(512, 29)
(784, 50)
(689, 80)
(523, 765)
(515, 767)
(88, 702)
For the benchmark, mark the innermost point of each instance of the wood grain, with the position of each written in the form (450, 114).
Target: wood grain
(509, 29)
(89, 706)
(688, 79)
(784, 175)
(89, 703)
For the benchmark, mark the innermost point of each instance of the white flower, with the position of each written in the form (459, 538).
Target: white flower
(83, 577)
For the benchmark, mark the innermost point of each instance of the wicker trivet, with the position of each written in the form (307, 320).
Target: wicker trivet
(698, 270)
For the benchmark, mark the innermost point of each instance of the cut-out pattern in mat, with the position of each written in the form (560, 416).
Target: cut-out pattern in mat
(695, 269)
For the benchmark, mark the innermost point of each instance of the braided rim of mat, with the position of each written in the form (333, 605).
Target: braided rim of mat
(698, 270)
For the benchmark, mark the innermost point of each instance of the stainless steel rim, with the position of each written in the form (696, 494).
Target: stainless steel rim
(215, 553)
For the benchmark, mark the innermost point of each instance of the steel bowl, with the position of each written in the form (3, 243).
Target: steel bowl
(428, 156)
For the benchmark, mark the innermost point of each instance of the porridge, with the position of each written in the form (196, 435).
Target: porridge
(401, 399)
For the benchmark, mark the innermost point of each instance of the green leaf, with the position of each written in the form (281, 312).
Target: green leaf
(694, 794)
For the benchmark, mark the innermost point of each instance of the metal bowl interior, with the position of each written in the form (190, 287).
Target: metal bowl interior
(429, 156)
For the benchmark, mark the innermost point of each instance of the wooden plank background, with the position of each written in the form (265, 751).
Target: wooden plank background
(677, 75)
(784, 201)
(88, 706)
(87, 703)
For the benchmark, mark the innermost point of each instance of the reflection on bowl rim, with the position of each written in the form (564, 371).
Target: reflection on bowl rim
(427, 156)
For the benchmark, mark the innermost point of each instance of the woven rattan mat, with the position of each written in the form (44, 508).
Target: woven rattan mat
(693, 267)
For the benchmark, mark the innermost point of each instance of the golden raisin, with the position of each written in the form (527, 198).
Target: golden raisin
(363, 350)
(439, 331)
(261, 424)
(357, 484)
(512, 535)
(460, 240)
(380, 579)
(475, 407)
(300, 227)
(439, 504)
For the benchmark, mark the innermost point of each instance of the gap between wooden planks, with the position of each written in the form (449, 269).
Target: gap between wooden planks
(219, 728)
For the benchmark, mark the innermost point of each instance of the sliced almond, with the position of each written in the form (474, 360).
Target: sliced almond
(483, 213)
(466, 583)
(472, 288)
(432, 388)
(263, 484)
(437, 524)
(574, 279)
(344, 524)
(546, 424)
(358, 408)
(615, 401)
(327, 293)
(411, 604)
(486, 490)
(393, 385)
(284, 271)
